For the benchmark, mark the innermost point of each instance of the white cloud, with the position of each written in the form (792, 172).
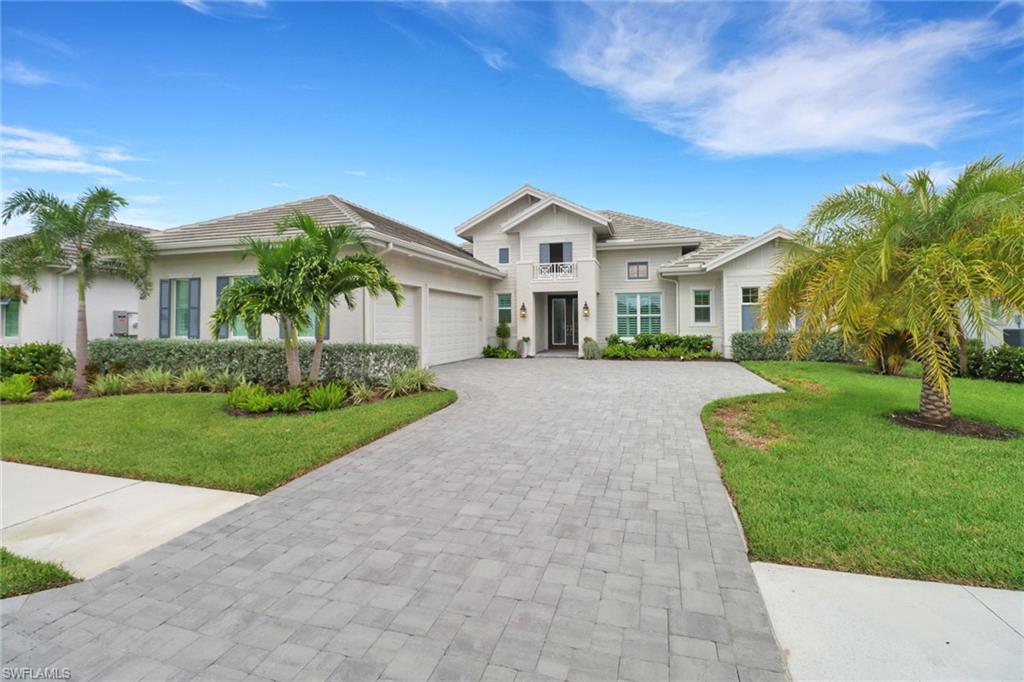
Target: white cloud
(807, 77)
(283, 185)
(49, 42)
(494, 57)
(358, 173)
(18, 73)
(115, 154)
(38, 151)
(214, 8)
(942, 173)
(145, 199)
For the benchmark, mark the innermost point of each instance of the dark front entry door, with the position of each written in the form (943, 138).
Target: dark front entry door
(563, 322)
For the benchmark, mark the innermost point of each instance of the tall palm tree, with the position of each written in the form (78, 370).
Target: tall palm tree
(79, 237)
(277, 290)
(329, 276)
(902, 262)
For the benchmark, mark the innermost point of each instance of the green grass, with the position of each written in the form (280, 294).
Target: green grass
(21, 575)
(843, 488)
(188, 438)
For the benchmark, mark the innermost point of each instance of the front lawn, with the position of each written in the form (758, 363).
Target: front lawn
(188, 438)
(821, 477)
(21, 575)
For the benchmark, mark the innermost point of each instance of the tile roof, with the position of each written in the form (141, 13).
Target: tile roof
(713, 247)
(637, 228)
(327, 208)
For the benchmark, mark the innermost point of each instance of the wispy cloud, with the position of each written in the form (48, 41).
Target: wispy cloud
(811, 77)
(19, 73)
(49, 42)
(38, 151)
(218, 8)
(283, 185)
(358, 173)
(145, 199)
(494, 57)
(942, 173)
(115, 154)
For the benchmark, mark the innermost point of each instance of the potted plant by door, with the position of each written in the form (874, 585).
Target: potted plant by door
(524, 346)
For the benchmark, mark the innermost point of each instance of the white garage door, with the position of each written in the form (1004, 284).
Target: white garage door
(398, 324)
(454, 327)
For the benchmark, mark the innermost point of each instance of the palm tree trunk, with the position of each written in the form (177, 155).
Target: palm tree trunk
(79, 383)
(961, 348)
(935, 405)
(291, 355)
(314, 363)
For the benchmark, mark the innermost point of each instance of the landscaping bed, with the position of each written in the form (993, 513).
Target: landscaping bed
(822, 477)
(21, 575)
(189, 438)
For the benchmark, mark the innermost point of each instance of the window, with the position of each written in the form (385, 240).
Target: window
(503, 255)
(12, 317)
(702, 306)
(749, 304)
(181, 302)
(637, 270)
(556, 252)
(637, 313)
(505, 308)
(237, 328)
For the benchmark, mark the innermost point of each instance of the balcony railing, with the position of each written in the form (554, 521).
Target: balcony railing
(554, 271)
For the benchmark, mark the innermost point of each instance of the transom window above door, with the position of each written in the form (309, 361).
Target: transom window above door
(637, 314)
(556, 252)
(637, 270)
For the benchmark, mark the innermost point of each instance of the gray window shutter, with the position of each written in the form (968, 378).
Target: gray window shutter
(222, 282)
(193, 308)
(567, 252)
(165, 308)
(545, 253)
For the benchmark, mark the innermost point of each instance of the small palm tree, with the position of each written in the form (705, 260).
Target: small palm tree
(79, 237)
(902, 264)
(277, 291)
(329, 276)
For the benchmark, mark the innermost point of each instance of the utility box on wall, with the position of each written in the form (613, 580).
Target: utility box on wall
(125, 323)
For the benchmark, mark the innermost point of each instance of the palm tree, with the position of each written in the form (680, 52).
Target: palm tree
(79, 237)
(277, 290)
(903, 263)
(328, 275)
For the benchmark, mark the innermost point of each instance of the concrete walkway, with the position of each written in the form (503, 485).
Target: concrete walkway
(90, 523)
(844, 626)
(563, 520)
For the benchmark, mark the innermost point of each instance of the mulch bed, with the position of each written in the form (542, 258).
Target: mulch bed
(955, 427)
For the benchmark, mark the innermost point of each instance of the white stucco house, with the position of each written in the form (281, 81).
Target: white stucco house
(556, 271)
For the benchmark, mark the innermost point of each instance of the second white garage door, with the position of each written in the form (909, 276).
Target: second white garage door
(398, 324)
(454, 327)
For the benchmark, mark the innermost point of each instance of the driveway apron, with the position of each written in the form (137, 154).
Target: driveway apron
(564, 519)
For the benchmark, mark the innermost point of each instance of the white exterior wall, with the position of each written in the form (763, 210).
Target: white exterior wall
(613, 281)
(754, 269)
(687, 326)
(51, 313)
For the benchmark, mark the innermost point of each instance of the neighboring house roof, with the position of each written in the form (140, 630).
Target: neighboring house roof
(327, 208)
(635, 228)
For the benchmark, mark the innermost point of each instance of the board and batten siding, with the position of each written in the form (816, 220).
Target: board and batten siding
(613, 280)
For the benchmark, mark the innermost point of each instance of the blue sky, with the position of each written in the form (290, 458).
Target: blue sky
(728, 117)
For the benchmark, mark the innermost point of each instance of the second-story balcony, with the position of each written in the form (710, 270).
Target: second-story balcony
(554, 271)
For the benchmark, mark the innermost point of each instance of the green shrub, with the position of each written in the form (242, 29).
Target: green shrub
(250, 398)
(63, 377)
(503, 331)
(361, 393)
(499, 352)
(37, 359)
(17, 388)
(226, 380)
(612, 340)
(150, 380)
(399, 385)
(1004, 363)
(674, 344)
(291, 400)
(110, 384)
(619, 351)
(194, 379)
(753, 346)
(421, 379)
(329, 396)
(58, 394)
(591, 351)
(260, 361)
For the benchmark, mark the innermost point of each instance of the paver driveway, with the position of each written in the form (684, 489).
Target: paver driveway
(563, 519)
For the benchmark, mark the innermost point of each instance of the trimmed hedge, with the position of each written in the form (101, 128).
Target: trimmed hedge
(260, 361)
(655, 346)
(37, 359)
(753, 346)
(999, 363)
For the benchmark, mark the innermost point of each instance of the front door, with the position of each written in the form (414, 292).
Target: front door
(563, 322)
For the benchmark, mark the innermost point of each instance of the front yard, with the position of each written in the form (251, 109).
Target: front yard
(822, 478)
(189, 439)
(21, 575)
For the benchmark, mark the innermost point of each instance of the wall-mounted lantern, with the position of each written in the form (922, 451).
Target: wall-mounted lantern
(522, 309)
(586, 309)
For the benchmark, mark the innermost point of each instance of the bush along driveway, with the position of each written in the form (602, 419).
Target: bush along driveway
(821, 476)
(524, 532)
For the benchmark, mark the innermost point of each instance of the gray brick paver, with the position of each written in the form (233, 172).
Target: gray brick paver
(563, 520)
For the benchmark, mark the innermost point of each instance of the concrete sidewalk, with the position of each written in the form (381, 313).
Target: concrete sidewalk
(90, 523)
(845, 626)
